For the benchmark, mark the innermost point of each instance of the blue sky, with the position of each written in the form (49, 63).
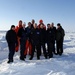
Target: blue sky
(57, 11)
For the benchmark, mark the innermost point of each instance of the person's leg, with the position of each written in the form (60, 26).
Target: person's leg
(61, 46)
(44, 50)
(22, 49)
(32, 54)
(11, 52)
(50, 50)
(57, 46)
(38, 51)
(54, 47)
(47, 48)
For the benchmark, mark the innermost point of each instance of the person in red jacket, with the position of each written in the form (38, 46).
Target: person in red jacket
(41, 22)
(16, 30)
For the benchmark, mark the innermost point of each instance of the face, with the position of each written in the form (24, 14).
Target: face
(20, 22)
(29, 24)
(13, 28)
(35, 25)
(58, 27)
(23, 25)
(48, 26)
(52, 25)
(41, 26)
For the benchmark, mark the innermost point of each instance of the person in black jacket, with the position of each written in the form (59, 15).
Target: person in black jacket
(43, 39)
(28, 42)
(59, 39)
(50, 40)
(32, 23)
(35, 40)
(11, 39)
(54, 33)
(22, 34)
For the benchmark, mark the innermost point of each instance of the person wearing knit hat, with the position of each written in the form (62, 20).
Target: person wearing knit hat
(41, 22)
(11, 39)
(43, 39)
(58, 24)
(13, 26)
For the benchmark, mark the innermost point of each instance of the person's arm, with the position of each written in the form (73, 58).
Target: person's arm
(8, 37)
(63, 32)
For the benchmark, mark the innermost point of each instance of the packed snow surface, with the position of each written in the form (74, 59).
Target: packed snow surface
(58, 65)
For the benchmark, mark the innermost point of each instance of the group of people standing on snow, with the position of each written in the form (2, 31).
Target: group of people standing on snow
(34, 38)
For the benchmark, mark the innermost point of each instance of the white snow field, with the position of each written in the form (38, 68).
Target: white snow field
(59, 65)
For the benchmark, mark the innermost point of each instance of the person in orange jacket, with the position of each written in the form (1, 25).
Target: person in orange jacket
(28, 42)
(41, 22)
(16, 30)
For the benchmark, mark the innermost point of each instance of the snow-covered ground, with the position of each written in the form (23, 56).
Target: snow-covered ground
(59, 65)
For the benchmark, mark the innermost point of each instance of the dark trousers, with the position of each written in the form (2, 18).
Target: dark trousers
(37, 47)
(53, 47)
(44, 49)
(22, 48)
(50, 49)
(11, 51)
(59, 45)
